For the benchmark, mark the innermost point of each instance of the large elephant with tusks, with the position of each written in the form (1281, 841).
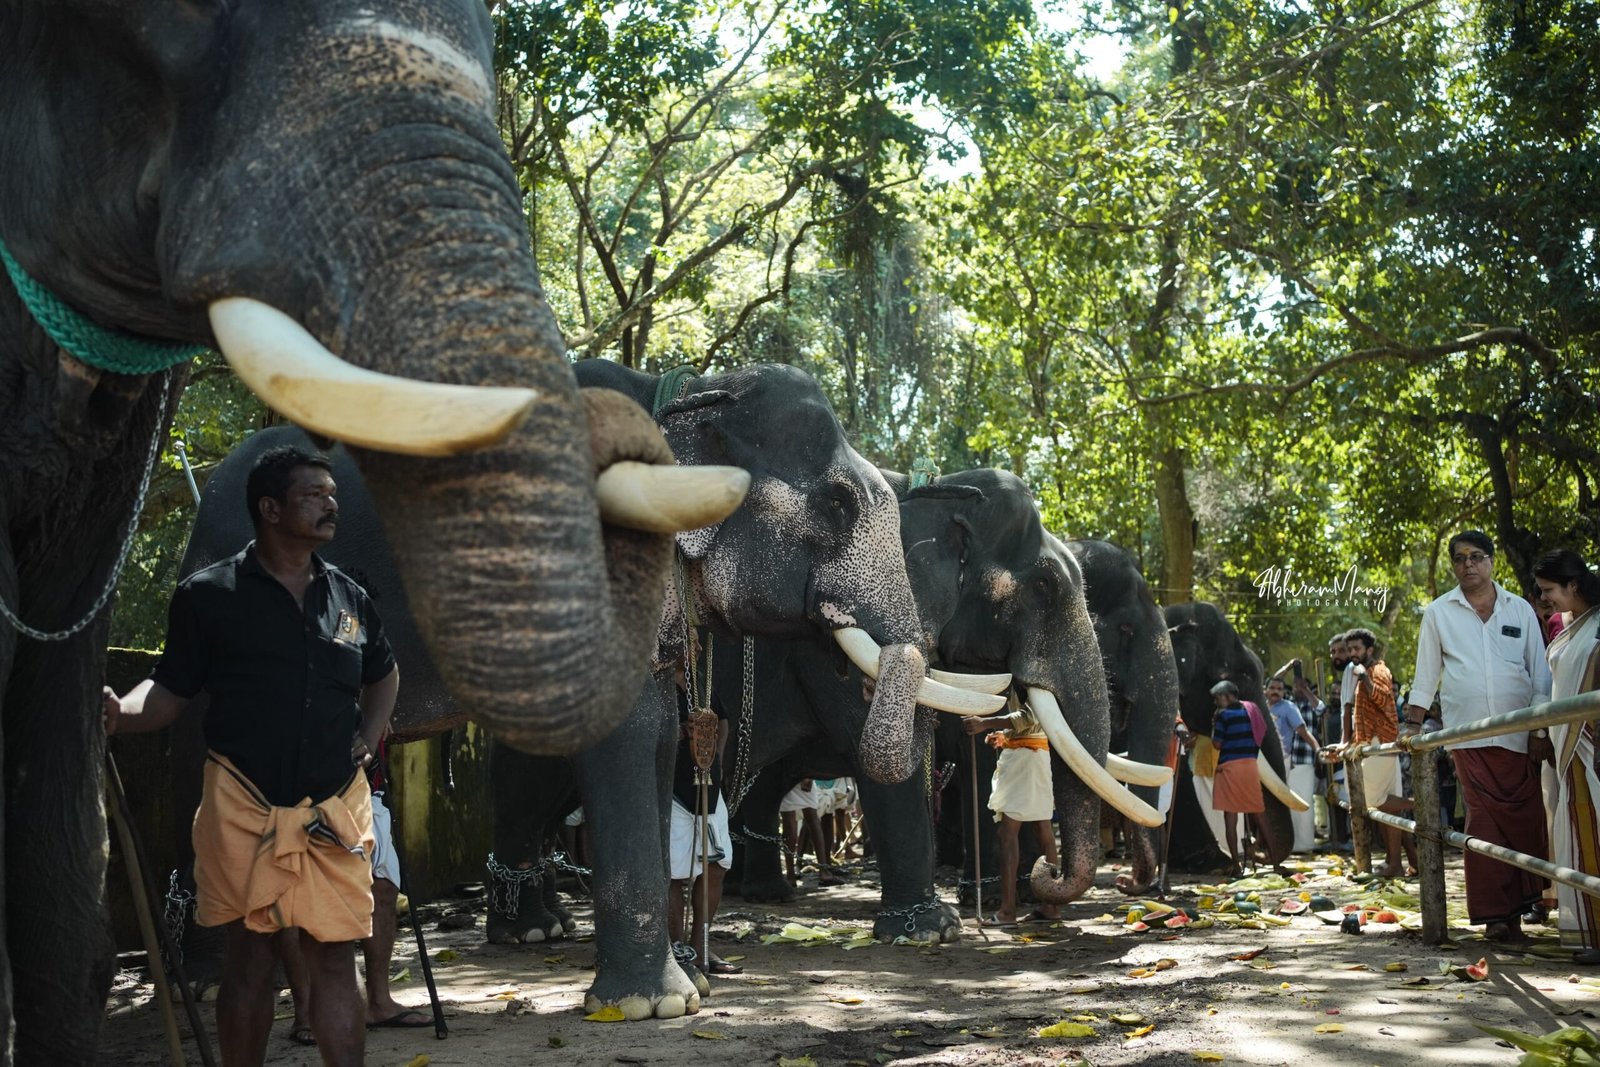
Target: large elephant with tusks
(814, 552)
(282, 181)
(1142, 680)
(1000, 598)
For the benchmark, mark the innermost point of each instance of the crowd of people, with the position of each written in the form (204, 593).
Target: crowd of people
(1481, 650)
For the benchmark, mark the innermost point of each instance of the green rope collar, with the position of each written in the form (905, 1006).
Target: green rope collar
(88, 341)
(671, 385)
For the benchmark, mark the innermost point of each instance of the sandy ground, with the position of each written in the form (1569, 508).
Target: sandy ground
(1311, 996)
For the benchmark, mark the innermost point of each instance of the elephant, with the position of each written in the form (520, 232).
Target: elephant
(1142, 678)
(282, 182)
(1207, 650)
(814, 552)
(996, 592)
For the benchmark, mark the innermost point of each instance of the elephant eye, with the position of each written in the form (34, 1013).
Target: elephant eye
(836, 503)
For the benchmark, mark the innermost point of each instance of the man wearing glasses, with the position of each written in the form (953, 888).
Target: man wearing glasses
(1481, 652)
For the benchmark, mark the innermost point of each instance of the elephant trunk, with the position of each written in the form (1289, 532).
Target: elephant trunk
(540, 619)
(888, 753)
(1078, 816)
(1152, 689)
(1078, 686)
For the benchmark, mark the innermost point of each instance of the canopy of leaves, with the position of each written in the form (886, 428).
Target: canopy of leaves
(1292, 287)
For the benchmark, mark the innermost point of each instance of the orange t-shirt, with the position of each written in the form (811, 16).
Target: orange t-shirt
(1375, 717)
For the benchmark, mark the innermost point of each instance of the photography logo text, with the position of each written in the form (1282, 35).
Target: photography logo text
(1345, 590)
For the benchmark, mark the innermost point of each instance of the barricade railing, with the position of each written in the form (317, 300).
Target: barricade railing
(1431, 835)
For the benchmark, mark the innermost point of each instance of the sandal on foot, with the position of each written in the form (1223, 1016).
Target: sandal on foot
(302, 1035)
(1505, 933)
(1004, 924)
(718, 965)
(404, 1019)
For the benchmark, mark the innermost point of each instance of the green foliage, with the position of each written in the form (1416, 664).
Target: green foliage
(1336, 266)
(215, 413)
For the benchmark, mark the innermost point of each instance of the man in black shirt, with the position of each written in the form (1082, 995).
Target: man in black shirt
(302, 683)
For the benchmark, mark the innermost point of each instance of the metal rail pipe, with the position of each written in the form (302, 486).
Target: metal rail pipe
(1431, 835)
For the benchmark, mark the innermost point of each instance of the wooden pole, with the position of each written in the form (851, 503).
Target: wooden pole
(1430, 846)
(147, 930)
(143, 893)
(1356, 781)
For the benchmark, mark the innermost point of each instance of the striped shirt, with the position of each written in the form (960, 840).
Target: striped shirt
(1233, 734)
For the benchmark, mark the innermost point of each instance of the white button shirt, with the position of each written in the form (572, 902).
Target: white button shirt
(1479, 668)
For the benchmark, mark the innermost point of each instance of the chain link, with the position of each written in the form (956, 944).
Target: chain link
(562, 862)
(127, 540)
(740, 787)
(741, 835)
(505, 885)
(911, 913)
(175, 913)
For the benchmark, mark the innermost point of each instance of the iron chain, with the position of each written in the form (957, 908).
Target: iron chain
(911, 913)
(505, 885)
(127, 540)
(740, 786)
(744, 832)
(175, 913)
(561, 862)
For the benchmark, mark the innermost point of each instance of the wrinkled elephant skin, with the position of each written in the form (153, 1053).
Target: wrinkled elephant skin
(338, 161)
(1141, 677)
(815, 547)
(996, 593)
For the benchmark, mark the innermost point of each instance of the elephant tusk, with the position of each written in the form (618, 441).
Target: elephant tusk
(1275, 785)
(300, 379)
(978, 683)
(1048, 713)
(666, 500)
(863, 651)
(1134, 773)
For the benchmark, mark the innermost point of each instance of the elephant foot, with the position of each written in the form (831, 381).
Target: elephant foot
(553, 905)
(768, 891)
(675, 995)
(1134, 886)
(524, 929)
(930, 923)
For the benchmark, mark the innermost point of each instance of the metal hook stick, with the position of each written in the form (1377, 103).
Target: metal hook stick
(704, 817)
(440, 1030)
(977, 836)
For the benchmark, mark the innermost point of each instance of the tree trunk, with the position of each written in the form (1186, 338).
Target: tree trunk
(1177, 528)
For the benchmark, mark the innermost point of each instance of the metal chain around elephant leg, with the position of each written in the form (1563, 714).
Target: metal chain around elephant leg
(740, 835)
(505, 886)
(911, 913)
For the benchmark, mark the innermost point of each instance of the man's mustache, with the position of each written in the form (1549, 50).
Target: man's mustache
(328, 520)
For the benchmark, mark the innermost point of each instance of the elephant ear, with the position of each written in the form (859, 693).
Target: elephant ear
(694, 427)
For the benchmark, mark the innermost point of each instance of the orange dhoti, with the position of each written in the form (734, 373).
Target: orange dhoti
(307, 866)
(1237, 787)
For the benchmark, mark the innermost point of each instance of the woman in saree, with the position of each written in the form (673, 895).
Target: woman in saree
(1569, 586)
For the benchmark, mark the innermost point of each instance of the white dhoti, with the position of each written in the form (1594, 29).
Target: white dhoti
(1021, 787)
(1303, 780)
